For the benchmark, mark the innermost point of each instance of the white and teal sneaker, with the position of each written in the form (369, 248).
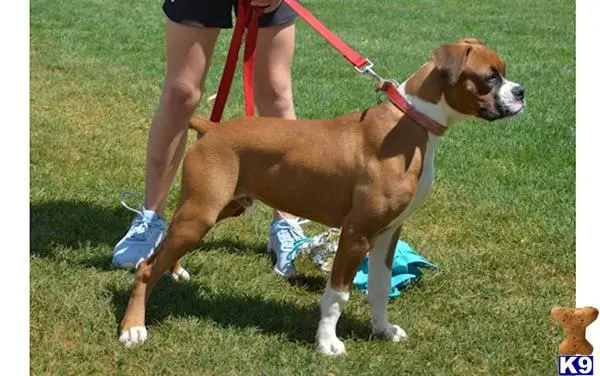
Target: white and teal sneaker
(283, 235)
(146, 232)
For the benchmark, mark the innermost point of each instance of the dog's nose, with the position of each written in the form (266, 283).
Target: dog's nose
(518, 92)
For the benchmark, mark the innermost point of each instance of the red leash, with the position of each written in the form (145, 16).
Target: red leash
(360, 62)
(248, 16)
(364, 65)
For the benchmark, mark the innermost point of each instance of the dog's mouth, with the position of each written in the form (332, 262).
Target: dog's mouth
(501, 111)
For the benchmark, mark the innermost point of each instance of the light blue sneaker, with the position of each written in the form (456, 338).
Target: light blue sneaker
(283, 235)
(146, 232)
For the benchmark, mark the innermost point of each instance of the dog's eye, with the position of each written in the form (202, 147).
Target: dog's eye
(493, 78)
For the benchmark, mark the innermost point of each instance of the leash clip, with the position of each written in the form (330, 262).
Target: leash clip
(367, 68)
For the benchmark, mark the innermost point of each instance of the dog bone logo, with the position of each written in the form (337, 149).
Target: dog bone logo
(574, 321)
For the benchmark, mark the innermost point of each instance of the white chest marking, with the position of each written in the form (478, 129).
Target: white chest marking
(441, 113)
(425, 182)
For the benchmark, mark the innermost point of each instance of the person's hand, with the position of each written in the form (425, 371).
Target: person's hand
(268, 5)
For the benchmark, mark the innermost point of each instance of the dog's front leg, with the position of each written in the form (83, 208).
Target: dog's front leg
(380, 263)
(352, 249)
(332, 303)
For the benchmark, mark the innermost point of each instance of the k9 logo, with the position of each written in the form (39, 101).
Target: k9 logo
(575, 365)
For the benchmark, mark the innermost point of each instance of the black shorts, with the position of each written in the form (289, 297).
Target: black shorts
(218, 13)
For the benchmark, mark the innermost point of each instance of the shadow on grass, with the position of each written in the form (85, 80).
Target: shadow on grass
(185, 299)
(75, 225)
(309, 282)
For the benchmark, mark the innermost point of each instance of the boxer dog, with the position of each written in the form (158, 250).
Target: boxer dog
(366, 172)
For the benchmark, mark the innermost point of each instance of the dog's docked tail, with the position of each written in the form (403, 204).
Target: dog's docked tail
(200, 124)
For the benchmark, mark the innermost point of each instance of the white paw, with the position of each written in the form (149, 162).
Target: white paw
(133, 336)
(391, 332)
(330, 345)
(179, 275)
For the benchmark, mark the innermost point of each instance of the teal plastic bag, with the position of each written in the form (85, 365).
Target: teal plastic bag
(405, 269)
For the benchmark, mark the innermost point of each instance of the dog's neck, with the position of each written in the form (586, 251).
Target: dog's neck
(423, 90)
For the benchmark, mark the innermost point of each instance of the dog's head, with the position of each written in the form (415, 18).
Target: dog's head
(473, 81)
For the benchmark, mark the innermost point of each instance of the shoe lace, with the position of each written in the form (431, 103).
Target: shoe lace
(141, 226)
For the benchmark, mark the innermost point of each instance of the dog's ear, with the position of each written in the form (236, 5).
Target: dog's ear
(450, 60)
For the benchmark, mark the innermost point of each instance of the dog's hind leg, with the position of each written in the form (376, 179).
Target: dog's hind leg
(177, 272)
(235, 208)
(380, 270)
(189, 225)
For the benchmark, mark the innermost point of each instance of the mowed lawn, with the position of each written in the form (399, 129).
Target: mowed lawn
(500, 223)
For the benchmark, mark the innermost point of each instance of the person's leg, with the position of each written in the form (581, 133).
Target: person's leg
(188, 51)
(273, 76)
(273, 96)
(273, 71)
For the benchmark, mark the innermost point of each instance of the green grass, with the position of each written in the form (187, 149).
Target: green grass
(500, 223)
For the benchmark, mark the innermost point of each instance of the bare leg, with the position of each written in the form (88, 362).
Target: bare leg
(273, 77)
(189, 51)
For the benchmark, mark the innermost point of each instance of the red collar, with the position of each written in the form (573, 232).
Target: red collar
(423, 120)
